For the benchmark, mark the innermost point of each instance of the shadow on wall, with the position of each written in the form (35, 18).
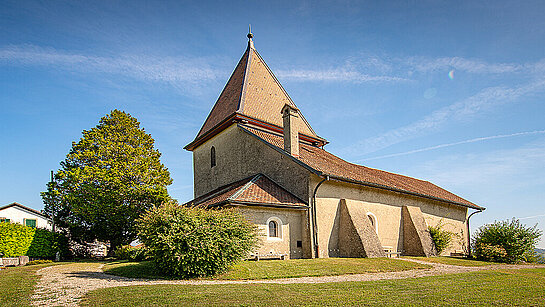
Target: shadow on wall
(333, 244)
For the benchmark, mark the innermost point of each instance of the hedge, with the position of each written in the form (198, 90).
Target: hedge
(19, 240)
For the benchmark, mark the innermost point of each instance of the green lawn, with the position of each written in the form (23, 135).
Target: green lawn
(454, 261)
(484, 288)
(280, 269)
(16, 284)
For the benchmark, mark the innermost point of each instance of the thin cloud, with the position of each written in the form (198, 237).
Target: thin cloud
(519, 168)
(485, 99)
(462, 64)
(336, 75)
(159, 69)
(454, 144)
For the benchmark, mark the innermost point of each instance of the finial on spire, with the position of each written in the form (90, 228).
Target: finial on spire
(250, 36)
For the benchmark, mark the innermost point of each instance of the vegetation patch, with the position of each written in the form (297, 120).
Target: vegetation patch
(484, 288)
(17, 283)
(277, 268)
(440, 237)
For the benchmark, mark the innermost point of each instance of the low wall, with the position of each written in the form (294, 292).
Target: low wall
(14, 261)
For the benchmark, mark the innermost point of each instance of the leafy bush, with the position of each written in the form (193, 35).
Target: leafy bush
(194, 242)
(39, 262)
(505, 241)
(534, 258)
(487, 252)
(441, 238)
(131, 253)
(20, 240)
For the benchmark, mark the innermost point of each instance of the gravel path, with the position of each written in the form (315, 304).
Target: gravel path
(65, 285)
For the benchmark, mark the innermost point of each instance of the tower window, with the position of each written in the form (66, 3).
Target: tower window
(212, 156)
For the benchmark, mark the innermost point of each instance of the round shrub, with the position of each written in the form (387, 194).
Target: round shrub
(505, 241)
(195, 242)
(440, 237)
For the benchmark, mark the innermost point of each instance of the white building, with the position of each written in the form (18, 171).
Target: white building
(17, 213)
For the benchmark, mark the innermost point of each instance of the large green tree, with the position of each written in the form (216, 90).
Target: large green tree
(108, 179)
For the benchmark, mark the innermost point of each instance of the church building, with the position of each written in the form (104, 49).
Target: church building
(258, 153)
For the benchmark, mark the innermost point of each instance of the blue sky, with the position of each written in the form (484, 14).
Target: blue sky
(448, 92)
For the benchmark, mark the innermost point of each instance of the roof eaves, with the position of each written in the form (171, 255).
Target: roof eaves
(210, 133)
(261, 204)
(380, 186)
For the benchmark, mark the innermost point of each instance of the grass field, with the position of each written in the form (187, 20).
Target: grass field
(484, 288)
(279, 269)
(16, 284)
(454, 261)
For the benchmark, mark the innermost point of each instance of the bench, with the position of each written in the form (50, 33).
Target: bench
(457, 253)
(271, 256)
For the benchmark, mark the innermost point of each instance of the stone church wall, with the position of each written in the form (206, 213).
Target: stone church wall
(291, 230)
(240, 155)
(387, 208)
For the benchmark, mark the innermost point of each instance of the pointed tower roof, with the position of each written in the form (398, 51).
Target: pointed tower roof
(252, 93)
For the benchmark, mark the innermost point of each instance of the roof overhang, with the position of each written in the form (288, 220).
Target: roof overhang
(240, 118)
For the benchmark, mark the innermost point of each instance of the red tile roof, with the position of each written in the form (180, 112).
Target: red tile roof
(253, 91)
(258, 189)
(328, 164)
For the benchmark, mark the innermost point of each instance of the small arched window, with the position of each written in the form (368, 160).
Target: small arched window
(212, 156)
(273, 229)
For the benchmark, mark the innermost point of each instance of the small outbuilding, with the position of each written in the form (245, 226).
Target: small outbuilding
(17, 213)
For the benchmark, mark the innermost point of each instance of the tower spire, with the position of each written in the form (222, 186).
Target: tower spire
(250, 36)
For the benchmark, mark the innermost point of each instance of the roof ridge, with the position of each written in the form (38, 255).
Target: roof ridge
(240, 107)
(244, 187)
(284, 90)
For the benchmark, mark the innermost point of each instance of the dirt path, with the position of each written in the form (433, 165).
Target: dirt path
(65, 285)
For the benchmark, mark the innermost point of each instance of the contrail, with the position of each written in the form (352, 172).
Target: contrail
(453, 144)
(530, 217)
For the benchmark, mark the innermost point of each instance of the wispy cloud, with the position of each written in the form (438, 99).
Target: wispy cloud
(175, 71)
(522, 167)
(474, 140)
(463, 109)
(338, 75)
(426, 64)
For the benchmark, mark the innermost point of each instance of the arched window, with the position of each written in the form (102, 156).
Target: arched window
(212, 156)
(373, 220)
(273, 229)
